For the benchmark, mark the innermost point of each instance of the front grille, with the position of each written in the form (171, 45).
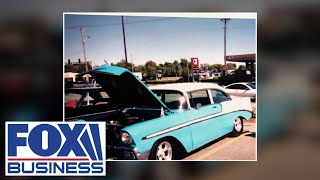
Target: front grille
(112, 135)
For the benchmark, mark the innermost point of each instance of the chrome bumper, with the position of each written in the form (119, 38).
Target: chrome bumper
(126, 153)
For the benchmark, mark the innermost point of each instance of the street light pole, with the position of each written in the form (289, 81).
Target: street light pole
(225, 20)
(84, 52)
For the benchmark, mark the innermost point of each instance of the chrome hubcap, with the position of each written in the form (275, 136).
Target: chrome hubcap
(237, 124)
(164, 151)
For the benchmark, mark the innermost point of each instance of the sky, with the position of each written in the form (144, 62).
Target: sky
(159, 39)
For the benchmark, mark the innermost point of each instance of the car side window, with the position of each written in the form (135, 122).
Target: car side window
(201, 97)
(175, 101)
(219, 96)
(242, 87)
(172, 99)
(235, 86)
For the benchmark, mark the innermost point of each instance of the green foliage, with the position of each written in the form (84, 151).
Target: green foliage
(242, 67)
(169, 69)
(76, 68)
(151, 68)
(185, 67)
(231, 66)
(123, 64)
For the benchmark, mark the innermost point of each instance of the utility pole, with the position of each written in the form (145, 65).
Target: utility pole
(131, 63)
(124, 42)
(225, 20)
(84, 52)
(188, 71)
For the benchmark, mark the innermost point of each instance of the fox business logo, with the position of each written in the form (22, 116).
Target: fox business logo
(55, 148)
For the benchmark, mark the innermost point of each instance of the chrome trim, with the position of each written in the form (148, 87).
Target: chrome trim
(188, 124)
(86, 115)
(138, 155)
(142, 155)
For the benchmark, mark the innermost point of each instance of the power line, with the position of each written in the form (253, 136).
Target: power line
(118, 24)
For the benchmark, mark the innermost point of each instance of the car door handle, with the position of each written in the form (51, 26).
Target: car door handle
(214, 107)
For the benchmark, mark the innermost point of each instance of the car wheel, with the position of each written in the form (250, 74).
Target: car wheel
(162, 150)
(237, 127)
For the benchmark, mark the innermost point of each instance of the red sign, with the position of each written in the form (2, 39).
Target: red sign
(195, 62)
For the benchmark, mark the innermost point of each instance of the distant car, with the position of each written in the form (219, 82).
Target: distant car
(189, 79)
(244, 89)
(236, 77)
(166, 121)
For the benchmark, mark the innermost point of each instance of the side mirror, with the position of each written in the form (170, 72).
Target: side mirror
(198, 106)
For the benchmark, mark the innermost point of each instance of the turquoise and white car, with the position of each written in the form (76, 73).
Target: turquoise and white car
(165, 122)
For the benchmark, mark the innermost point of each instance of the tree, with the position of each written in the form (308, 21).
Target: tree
(168, 69)
(151, 68)
(178, 68)
(76, 68)
(242, 67)
(231, 66)
(140, 68)
(215, 67)
(185, 66)
(123, 64)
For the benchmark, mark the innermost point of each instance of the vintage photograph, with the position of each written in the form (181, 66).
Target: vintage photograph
(169, 86)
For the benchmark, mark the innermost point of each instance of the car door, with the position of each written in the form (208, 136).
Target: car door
(200, 117)
(232, 89)
(224, 123)
(242, 90)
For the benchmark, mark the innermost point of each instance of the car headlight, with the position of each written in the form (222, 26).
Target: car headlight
(126, 138)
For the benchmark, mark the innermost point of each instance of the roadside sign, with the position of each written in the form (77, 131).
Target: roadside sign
(195, 62)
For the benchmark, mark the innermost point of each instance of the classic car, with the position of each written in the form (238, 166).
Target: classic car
(244, 89)
(165, 122)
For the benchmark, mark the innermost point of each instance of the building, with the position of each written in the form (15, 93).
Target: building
(70, 76)
(249, 59)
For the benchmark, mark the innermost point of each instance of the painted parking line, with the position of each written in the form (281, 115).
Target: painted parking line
(215, 150)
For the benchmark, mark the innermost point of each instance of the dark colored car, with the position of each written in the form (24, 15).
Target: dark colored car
(87, 103)
(235, 77)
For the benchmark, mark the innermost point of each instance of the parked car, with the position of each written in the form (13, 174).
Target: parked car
(166, 121)
(244, 89)
(189, 79)
(236, 76)
(87, 103)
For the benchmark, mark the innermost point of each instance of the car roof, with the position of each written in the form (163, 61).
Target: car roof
(186, 87)
(243, 83)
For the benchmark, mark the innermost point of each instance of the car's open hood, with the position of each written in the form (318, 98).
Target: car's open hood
(124, 88)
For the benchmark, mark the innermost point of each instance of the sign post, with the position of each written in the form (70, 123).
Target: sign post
(194, 66)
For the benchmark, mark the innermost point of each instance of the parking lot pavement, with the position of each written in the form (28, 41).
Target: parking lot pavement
(242, 147)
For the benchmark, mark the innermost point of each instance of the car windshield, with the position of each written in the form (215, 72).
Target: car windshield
(253, 86)
(172, 99)
(89, 97)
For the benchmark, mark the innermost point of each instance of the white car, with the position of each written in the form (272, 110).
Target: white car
(243, 89)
